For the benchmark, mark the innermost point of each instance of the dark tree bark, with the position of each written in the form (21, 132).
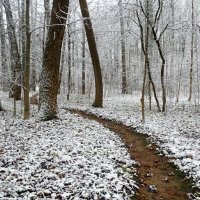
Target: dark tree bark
(162, 68)
(83, 62)
(49, 78)
(27, 63)
(156, 38)
(145, 43)
(98, 102)
(47, 18)
(16, 68)
(1, 108)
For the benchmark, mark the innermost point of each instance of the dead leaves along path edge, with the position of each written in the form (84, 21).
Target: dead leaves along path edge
(154, 169)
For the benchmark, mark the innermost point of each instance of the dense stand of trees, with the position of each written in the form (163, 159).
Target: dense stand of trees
(149, 48)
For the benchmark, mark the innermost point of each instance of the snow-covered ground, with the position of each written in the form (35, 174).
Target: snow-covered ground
(72, 158)
(177, 132)
(78, 157)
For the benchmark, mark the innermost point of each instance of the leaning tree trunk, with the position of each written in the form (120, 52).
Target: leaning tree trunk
(98, 102)
(162, 68)
(15, 56)
(49, 78)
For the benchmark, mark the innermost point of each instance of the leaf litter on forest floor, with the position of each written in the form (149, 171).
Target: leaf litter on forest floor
(68, 158)
(176, 132)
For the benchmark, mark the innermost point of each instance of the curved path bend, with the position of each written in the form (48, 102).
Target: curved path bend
(157, 178)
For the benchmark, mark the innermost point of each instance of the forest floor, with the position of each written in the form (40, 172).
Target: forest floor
(70, 158)
(157, 178)
(78, 158)
(175, 133)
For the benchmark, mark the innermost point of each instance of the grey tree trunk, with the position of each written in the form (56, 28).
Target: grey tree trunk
(23, 34)
(49, 78)
(173, 52)
(33, 71)
(4, 64)
(16, 70)
(192, 55)
(123, 50)
(62, 62)
(145, 48)
(69, 80)
(98, 102)
(47, 11)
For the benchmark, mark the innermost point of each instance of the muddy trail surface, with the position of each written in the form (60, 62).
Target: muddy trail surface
(157, 178)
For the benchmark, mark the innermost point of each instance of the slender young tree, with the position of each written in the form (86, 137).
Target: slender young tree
(83, 62)
(69, 79)
(123, 50)
(62, 63)
(98, 102)
(49, 78)
(146, 43)
(157, 39)
(145, 49)
(192, 55)
(22, 39)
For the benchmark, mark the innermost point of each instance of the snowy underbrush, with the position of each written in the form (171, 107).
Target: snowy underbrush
(177, 132)
(68, 158)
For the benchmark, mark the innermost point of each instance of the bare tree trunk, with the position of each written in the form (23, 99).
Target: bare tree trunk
(15, 56)
(23, 35)
(33, 71)
(47, 18)
(145, 49)
(180, 71)
(149, 89)
(172, 71)
(69, 62)
(192, 55)
(27, 64)
(47, 12)
(162, 69)
(4, 64)
(98, 102)
(83, 62)
(153, 87)
(144, 76)
(49, 78)
(123, 51)
(62, 62)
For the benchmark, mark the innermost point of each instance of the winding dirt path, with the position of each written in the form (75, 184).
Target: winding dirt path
(153, 169)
